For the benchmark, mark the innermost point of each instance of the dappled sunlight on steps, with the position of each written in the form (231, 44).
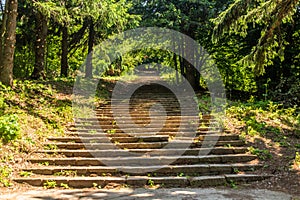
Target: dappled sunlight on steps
(185, 151)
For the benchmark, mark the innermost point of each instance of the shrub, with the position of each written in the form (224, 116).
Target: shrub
(9, 128)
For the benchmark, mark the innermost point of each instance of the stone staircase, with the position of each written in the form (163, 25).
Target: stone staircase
(170, 148)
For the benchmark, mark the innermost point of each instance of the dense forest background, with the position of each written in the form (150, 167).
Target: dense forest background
(255, 44)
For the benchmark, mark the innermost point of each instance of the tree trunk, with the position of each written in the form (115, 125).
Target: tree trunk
(8, 48)
(89, 61)
(176, 67)
(3, 27)
(181, 60)
(40, 46)
(190, 68)
(64, 53)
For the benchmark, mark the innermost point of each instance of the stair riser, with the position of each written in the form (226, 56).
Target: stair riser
(172, 182)
(157, 145)
(169, 118)
(105, 137)
(145, 161)
(88, 133)
(145, 130)
(164, 152)
(165, 127)
(104, 122)
(170, 171)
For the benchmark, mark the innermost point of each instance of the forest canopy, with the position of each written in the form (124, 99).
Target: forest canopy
(255, 43)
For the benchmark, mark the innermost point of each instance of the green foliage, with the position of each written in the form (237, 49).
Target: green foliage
(260, 120)
(5, 172)
(25, 173)
(9, 128)
(66, 173)
(262, 154)
(111, 131)
(23, 62)
(53, 9)
(233, 184)
(267, 14)
(50, 147)
(64, 185)
(297, 159)
(50, 184)
(38, 100)
(150, 183)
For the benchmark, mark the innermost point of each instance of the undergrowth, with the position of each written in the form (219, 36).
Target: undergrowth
(271, 130)
(29, 113)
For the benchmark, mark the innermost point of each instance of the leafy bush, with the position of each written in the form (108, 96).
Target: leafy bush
(263, 154)
(5, 172)
(9, 128)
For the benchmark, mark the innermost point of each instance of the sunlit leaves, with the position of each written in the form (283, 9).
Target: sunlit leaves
(270, 15)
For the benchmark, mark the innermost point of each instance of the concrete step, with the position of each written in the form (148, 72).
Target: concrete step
(153, 152)
(145, 107)
(106, 121)
(111, 118)
(169, 170)
(145, 122)
(165, 126)
(154, 114)
(111, 138)
(143, 129)
(130, 138)
(146, 161)
(146, 145)
(99, 133)
(169, 181)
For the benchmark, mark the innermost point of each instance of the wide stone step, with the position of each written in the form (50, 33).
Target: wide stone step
(166, 126)
(111, 118)
(145, 108)
(146, 161)
(169, 181)
(170, 170)
(141, 130)
(105, 138)
(99, 133)
(154, 114)
(111, 121)
(154, 152)
(148, 101)
(143, 122)
(129, 138)
(146, 145)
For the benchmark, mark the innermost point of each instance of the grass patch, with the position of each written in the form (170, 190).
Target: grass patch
(30, 112)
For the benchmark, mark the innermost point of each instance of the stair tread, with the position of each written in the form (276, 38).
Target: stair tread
(177, 141)
(132, 177)
(167, 181)
(145, 158)
(145, 150)
(149, 167)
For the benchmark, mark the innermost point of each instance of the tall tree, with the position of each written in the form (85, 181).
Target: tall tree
(64, 52)
(105, 17)
(269, 14)
(8, 39)
(45, 10)
(185, 16)
(40, 45)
